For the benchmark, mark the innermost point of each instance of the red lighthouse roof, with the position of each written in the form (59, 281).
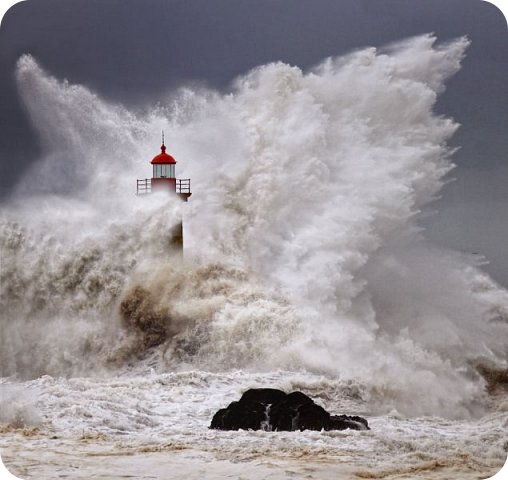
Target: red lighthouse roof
(163, 157)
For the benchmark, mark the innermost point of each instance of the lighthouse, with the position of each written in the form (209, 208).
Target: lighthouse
(164, 180)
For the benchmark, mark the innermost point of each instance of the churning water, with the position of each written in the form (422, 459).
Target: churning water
(304, 267)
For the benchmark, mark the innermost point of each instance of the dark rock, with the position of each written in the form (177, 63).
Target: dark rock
(240, 415)
(312, 417)
(341, 422)
(297, 411)
(271, 409)
(496, 377)
(266, 396)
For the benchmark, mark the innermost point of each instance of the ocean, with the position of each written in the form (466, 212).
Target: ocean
(305, 267)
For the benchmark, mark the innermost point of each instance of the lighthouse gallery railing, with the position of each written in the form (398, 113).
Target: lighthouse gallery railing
(144, 186)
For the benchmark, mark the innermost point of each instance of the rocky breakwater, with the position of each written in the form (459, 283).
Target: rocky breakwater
(273, 410)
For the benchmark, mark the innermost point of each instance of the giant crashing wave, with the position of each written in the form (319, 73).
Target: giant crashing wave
(303, 250)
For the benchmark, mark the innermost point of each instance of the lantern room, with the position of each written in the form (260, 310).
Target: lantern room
(163, 171)
(163, 164)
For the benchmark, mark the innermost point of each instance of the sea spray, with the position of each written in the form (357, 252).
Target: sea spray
(302, 244)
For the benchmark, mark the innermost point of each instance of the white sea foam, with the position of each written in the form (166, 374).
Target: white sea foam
(303, 250)
(145, 426)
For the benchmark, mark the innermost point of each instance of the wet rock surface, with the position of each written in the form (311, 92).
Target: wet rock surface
(273, 410)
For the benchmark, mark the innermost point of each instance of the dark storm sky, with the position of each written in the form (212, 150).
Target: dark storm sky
(131, 51)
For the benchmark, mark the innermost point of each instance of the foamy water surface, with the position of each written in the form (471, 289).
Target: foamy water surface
(149, 426)
(305, 268)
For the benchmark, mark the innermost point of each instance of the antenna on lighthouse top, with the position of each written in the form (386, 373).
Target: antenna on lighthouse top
(163, 147)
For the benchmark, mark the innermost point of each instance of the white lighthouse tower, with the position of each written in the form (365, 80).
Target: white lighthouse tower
(164, 180)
